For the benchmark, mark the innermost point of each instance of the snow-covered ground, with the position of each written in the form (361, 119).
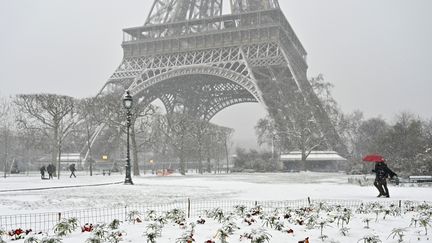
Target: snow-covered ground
(151, 189)
(75, 193)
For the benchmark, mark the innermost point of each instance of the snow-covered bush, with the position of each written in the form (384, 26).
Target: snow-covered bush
(256, 236)
(2, 232)
(225, 231)
(32, 239)
(323, 223)
(114, 236)
(270, 220)
(66, 226)
(397, 232)
(188, 235)
(414, 220)
(100, 231)
(377, 211)
(370, 239)
(279, 225)
(134, 217)
(153, 231)
(161, 220)
(104, 233)
(51, 240)
(240, 210)
(424, 221)
(176, 215)
(367, 221)
(115, 224)
(216, 214)
(257, 210)
(150, 215)
(311, 221)
(321, 206)
(249, 219)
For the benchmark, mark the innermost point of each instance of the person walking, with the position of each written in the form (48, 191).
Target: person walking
(50, 170)
(382, 172)
(72, 170)
(42, 171)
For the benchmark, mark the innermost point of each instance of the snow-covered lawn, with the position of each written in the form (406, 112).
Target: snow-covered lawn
(151, 189)
(154, 190)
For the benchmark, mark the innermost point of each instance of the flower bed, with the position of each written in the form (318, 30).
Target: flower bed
(320, 222)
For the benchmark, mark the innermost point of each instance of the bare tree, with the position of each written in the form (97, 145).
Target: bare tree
(292, 117)
(53, 115)
(201, 131)
(108, 109)
(301, 135)
(5, 126)
(178, 129)
(224, 137)
(215, 144)
(87, 111)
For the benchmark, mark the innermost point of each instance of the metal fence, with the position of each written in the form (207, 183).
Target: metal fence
(44, 222)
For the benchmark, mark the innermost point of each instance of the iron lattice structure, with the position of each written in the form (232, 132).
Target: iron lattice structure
(188, 53)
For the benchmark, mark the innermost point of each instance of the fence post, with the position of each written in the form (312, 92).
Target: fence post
(309, 201)
(125, 211)
(400, 206)
(256, 203)
(59, 216)
(188, 207)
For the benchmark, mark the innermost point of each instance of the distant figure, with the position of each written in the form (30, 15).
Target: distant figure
(54, 170)
(42, 172)
(72, 170)
(382, 173)
(50, 169)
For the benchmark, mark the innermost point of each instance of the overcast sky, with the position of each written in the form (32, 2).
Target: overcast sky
(377, 53)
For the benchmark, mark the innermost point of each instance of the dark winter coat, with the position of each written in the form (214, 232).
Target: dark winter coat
(72, 168)
(50, 169)
(383, 172)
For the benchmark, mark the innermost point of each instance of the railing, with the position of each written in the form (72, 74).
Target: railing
(44, 222)
(203, 25)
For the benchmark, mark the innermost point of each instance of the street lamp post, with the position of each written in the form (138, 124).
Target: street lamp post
(127, 104)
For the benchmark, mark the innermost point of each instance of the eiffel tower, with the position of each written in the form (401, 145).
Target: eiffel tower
(189, 53)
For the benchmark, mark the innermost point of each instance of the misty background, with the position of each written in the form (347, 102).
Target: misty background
(376, 53)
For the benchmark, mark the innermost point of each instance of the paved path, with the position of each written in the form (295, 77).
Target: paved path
(59, 187)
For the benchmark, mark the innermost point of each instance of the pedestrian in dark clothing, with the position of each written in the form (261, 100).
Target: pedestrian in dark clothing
(72, 170)
(382, 173)
(42, 171)
(50, 170)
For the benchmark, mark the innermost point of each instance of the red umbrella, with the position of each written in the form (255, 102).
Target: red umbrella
(373, 158)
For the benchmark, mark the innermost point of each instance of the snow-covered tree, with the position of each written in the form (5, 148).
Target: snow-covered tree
(178, 130)
(108, 109)
(52, 115)
(6, 132)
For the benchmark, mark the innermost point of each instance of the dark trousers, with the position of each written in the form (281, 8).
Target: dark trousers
(381, 185)
(72, 174)
(50, 175)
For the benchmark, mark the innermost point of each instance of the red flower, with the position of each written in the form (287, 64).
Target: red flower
(19, 231)
(87, 228)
